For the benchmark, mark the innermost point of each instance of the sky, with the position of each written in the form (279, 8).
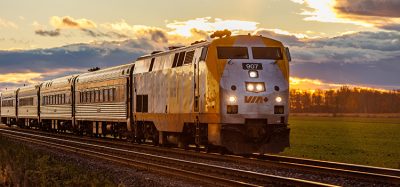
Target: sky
(332, 42)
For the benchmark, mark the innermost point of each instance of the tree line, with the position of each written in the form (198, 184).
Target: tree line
(345, 100)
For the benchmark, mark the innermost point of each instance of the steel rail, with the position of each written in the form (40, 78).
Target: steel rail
(213, 171)
(368, 173)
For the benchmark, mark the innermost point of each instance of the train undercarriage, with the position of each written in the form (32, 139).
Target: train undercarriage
(256, 136)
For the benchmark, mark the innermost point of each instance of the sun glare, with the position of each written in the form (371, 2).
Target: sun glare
(316, 84)
(184, 28)
(324, 11)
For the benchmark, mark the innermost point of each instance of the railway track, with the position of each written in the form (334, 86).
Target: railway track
(368, 173)
(211, 174)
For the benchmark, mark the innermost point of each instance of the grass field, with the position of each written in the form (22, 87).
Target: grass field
(368, 141)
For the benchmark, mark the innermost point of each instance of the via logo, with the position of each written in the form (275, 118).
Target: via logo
(255, 99)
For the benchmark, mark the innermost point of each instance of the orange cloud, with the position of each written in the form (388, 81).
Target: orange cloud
(373, 13)
(69, 22)
(20, 77)
(7, 24)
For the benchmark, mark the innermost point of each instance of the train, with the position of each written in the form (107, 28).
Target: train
(230, 93)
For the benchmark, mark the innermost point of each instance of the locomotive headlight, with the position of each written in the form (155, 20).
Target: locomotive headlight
(278, 99)
(253, 74)
(255, 87)
(232, 99)
(260, 87)
(250, 87)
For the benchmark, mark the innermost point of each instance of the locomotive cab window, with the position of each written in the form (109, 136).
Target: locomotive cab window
(189, 57)
(232, 53)
(270, 53)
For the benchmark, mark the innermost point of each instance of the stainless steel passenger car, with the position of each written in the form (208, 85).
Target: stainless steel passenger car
(28, 106)
(9, 107)
(57, 103)
(102, 100)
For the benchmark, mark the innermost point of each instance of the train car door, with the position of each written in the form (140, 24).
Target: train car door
(196, 99)
(130, 98)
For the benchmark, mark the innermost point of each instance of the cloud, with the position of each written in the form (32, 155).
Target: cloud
(137, 31)
(7, 24)
(25, 77)
(393, 27)
(97, 33)
(185, 28)
(285, 37)
(30, 66)
(51, 33)
(380, 8)
(365, 58)
(383, 14)
(69, 22)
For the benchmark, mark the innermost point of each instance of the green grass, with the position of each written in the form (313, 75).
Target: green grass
(367, 141)
(22, 166)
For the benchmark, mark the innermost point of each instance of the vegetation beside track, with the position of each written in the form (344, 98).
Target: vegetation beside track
(357, 140)
(23, 166)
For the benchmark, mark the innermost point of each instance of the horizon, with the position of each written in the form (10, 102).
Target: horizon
(333, 43)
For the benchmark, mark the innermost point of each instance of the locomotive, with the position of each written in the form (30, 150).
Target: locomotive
(231, 93)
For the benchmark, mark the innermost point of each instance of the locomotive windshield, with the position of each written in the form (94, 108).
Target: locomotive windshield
(232, 53)
(271, 53)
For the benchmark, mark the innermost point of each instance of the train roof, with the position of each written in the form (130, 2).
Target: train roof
(205, 43)
(107, 73)
(59, 82)
(201, 44)
(9, 92)
(29, 87)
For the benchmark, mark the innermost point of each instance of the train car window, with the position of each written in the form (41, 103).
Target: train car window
(97, 95)
(181, 59)
(101, 96)
(111, 94)
(7, 103)
(270, 53)
(204, 53)
(232, 53)
(106, 95)
(91, 96)
(85, 96)
(189, 57)
(175, 60)
(115, 94)
(151, 64)
(94, 96)
(145, 103)
(139, 103)
(142, 104)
